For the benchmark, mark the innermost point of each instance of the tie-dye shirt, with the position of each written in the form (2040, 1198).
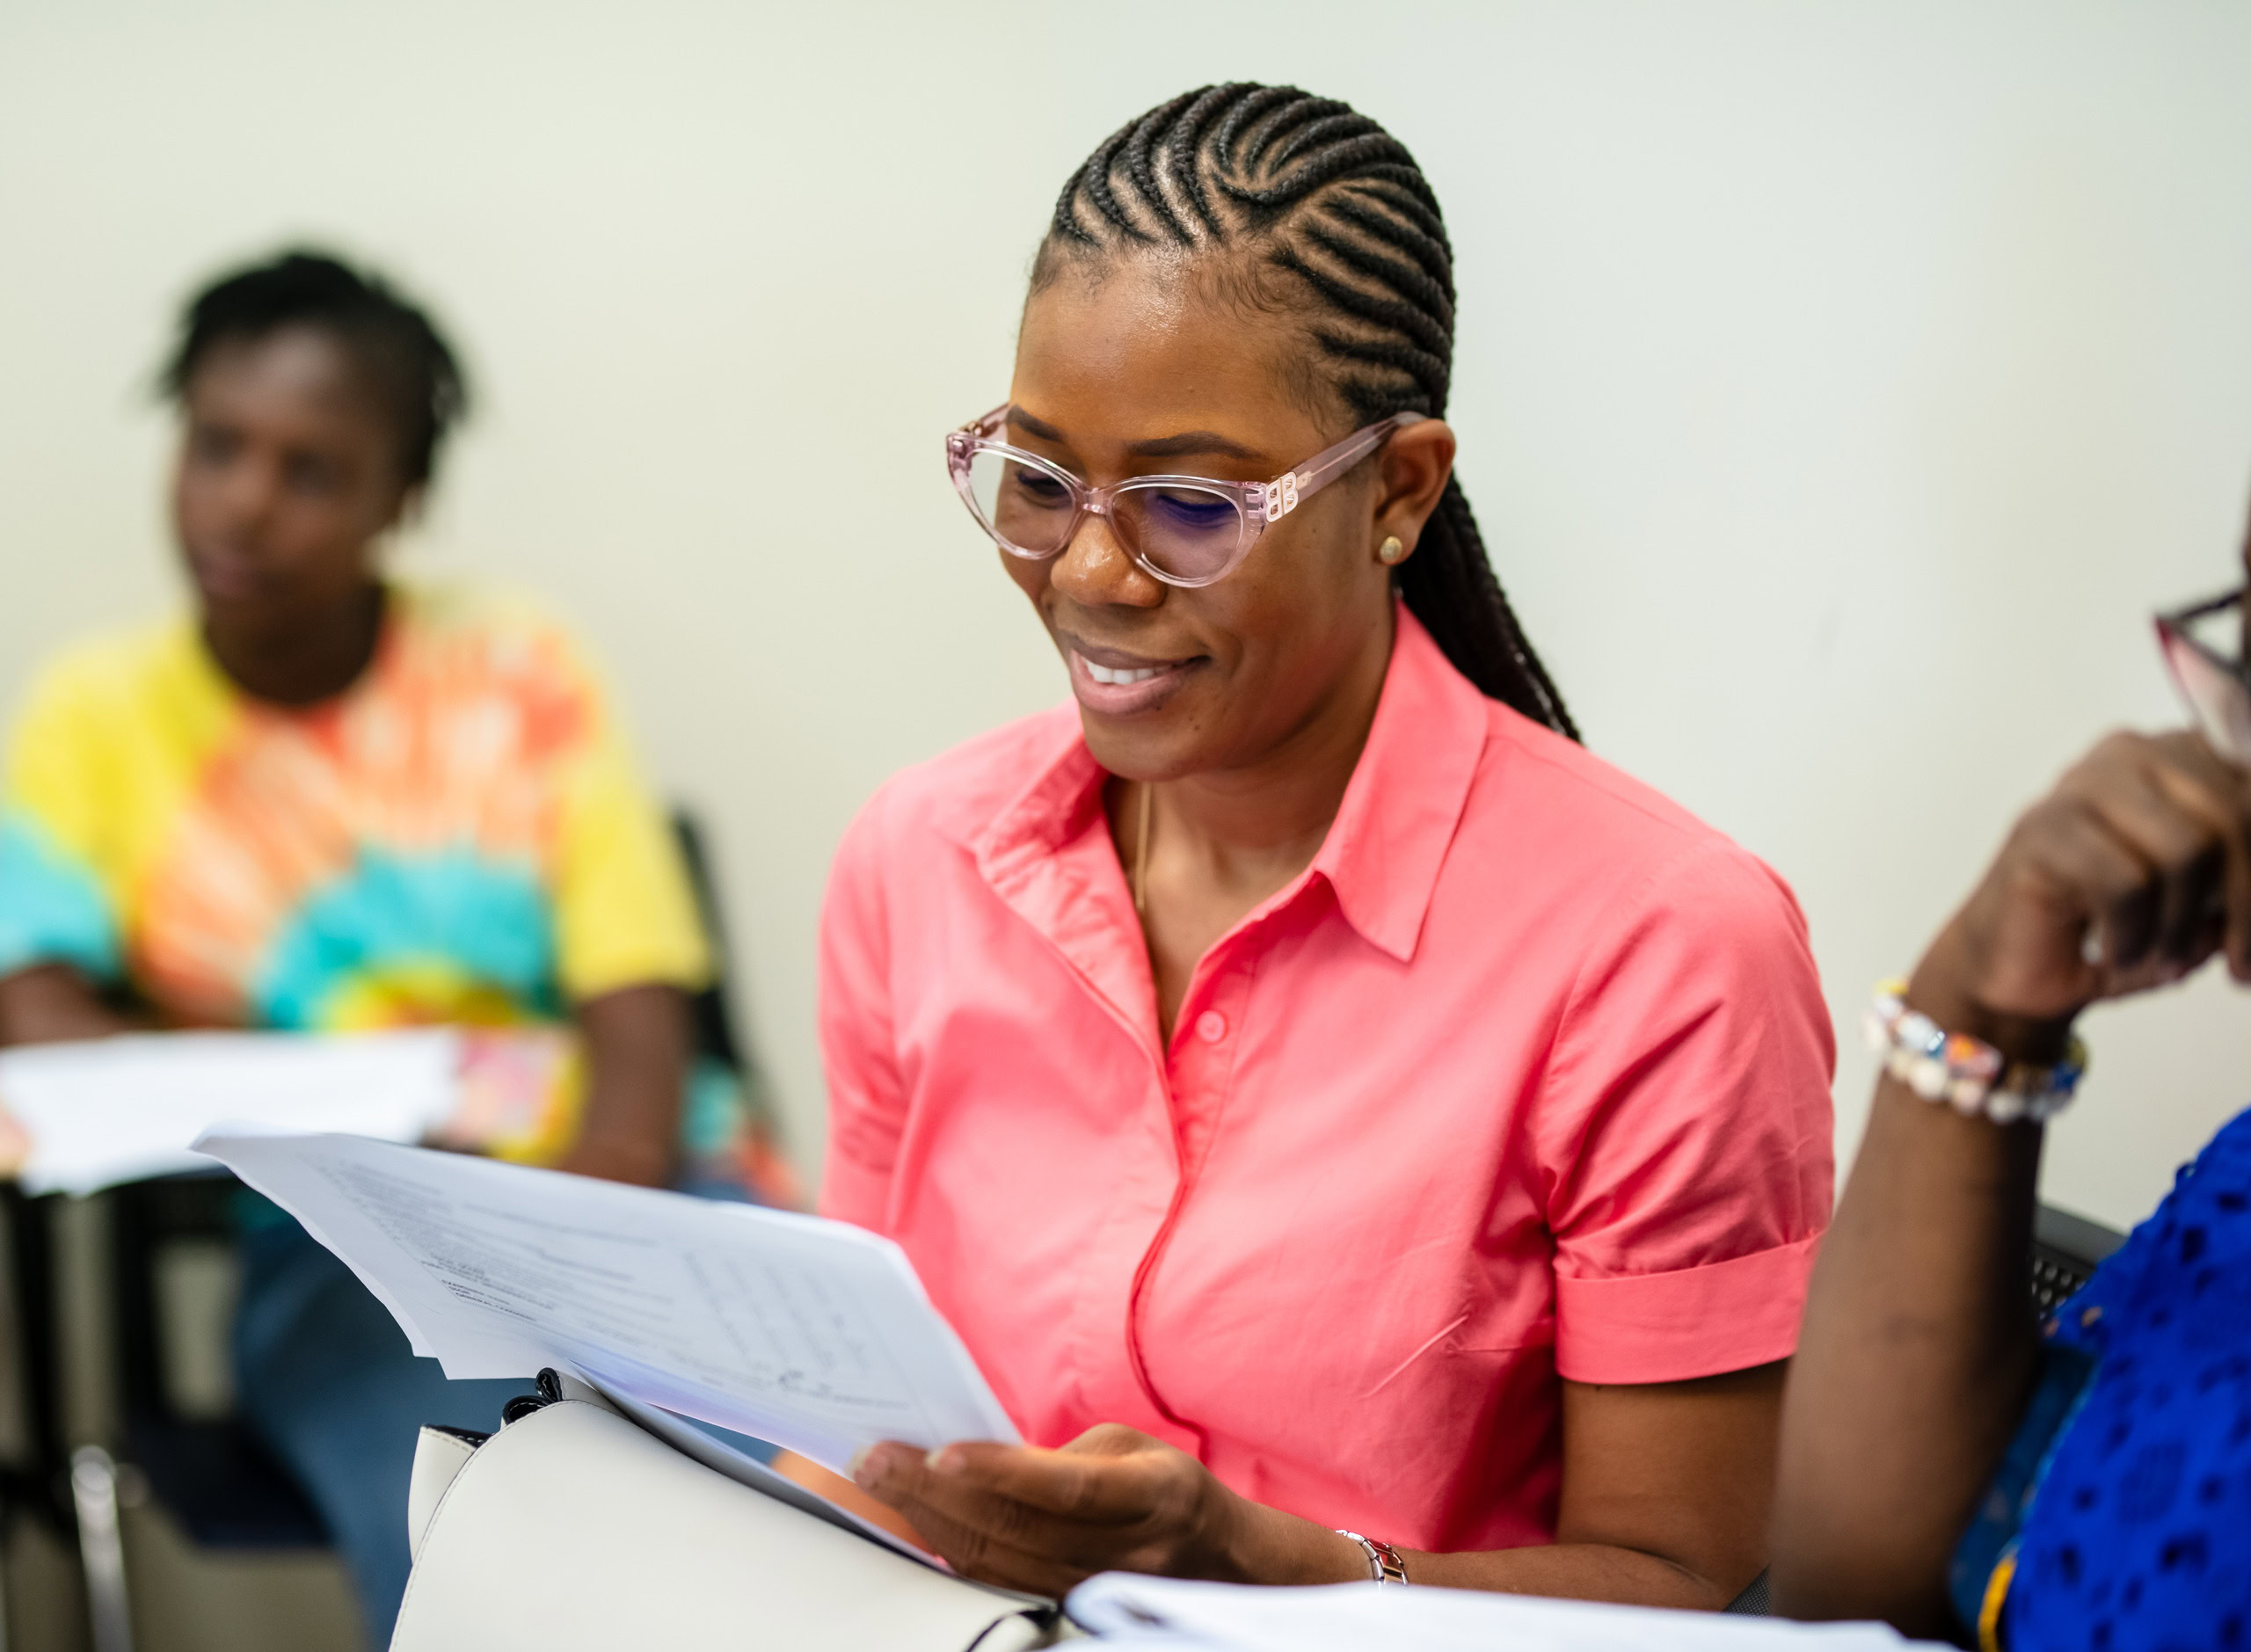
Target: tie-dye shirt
(460, 837)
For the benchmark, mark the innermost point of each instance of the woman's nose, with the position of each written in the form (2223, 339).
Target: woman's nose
(1096, 568)
(248, 492)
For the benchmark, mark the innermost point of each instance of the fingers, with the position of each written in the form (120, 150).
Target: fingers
(992, 1542)
(983, 1531)
(2148, 867)
(1096, 1485)
(2154, 836)
(1039, 1520)
(2219, 793)
(2080, 877)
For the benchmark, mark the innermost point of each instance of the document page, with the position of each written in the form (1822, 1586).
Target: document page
(814, 1334)
(1127, 1610)
(89, 1115)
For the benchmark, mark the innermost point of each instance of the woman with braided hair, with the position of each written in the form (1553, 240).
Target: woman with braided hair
(1358, 1131)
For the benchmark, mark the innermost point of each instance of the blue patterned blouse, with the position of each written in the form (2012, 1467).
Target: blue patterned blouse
(2121, 1520)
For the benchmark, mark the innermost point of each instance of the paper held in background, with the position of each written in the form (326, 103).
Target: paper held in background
(82, 1117)
(814, 1334)
(1156, 1613)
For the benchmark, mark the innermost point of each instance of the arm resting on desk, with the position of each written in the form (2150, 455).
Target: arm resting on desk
(1665, 1491)
(49, 1004)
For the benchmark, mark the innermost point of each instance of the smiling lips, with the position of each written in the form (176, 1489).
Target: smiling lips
(1120, 684)
(1103, 673)
(223, 577)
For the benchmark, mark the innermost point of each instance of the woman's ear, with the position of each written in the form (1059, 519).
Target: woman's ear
(407, 511)
(1412, 472)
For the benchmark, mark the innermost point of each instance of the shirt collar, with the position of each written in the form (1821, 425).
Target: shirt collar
(1384, 849)
(1391, 833)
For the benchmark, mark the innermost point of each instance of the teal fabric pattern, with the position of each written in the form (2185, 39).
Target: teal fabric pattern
(454, 909)
(51, 909)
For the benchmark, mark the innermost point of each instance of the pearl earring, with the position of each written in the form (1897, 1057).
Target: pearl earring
(1391, 550)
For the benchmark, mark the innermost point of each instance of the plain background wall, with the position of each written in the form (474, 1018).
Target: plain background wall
(1840, 386)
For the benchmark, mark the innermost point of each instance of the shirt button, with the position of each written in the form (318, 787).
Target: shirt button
(1211, 1026)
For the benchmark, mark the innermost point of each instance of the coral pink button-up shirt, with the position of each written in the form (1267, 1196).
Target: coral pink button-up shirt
(1526, 1076)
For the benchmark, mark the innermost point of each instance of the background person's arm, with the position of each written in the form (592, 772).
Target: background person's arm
(1918, 1356)
(637, 1047)
(1918, 1349)
(638, 1043)
(49, 1004)
(1664, 1500)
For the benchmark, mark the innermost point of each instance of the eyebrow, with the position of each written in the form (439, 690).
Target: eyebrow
(1191, 441)
(1162, 448)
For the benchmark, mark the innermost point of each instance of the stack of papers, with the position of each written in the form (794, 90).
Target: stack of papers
(814, 1334)
(1153, 1613)
(82, 1117)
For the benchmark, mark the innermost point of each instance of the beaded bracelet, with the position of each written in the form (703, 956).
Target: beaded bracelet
(1967, 1073)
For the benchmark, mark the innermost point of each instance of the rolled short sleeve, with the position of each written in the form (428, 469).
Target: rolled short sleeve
(866, 1100)
(625, 912)
(1685, 1128)
(56, 901)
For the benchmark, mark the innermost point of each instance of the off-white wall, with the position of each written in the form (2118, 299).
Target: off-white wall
(1839, 385)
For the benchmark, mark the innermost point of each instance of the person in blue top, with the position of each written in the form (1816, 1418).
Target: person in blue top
(1948, 1464)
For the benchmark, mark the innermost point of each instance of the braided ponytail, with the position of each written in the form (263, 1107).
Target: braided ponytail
(1449, 584)
(1327, 197)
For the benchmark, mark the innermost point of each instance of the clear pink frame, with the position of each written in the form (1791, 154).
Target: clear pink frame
(1258, 504)
(2211, 684)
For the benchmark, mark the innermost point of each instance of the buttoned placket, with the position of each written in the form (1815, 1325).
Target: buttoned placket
(1191, 1072)
(1199, 1066)
(1199, 1062)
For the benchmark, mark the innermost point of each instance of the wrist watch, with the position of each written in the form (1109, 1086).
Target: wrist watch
(1384, 1564)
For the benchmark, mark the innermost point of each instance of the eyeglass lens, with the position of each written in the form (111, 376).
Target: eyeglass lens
(2217, 696)
(1188, 532)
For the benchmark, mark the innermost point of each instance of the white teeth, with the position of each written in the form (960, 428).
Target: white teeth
(1103, 673)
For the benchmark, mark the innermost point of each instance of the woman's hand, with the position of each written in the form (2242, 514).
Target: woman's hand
(1112, 1500)
(2135, 870)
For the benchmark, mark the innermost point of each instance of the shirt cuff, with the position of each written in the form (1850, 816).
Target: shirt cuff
(1694, 1323)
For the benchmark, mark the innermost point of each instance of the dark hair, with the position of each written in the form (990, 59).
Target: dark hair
(395, 342)
(1328, 200)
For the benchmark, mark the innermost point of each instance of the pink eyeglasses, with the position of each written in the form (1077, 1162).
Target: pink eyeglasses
(1184, 530)
(2202, 645)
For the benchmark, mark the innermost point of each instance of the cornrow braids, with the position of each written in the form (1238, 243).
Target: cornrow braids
(1319, 192)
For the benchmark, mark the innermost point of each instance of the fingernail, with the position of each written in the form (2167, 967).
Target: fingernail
(864, 1466)
(945, 1460)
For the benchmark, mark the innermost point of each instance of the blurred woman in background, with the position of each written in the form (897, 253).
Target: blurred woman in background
(325, 801)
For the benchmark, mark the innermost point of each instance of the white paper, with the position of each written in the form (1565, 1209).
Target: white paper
(116, 1109)
(1154, 1612)
(814, 1334)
